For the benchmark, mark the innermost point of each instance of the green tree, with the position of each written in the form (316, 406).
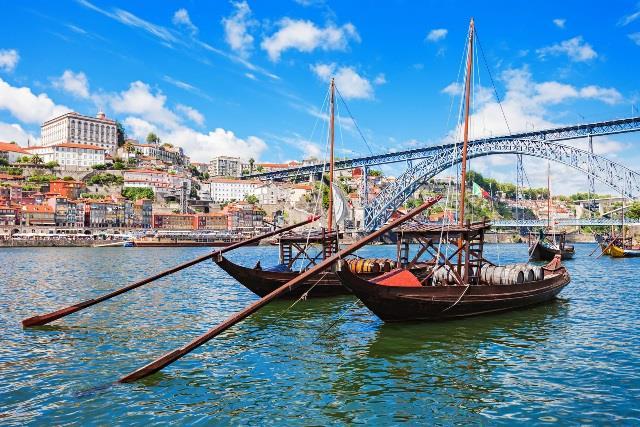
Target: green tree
(137, 193)
(4, 162)
(252, 162)
(68, 178)
(375, 172)
(250, 198)
(120, 133)
(259, 168)
(36, 160)
(152, 138)
(633, 210)
(52, 164)
(99, 167)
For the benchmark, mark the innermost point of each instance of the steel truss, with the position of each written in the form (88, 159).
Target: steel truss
(620, 178)
(557, 134)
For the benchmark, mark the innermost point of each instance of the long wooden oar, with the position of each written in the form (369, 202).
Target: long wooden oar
(174, 355)
(606, 249)
(50, 317)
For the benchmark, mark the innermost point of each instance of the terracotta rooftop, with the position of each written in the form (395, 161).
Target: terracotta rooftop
(14, 148)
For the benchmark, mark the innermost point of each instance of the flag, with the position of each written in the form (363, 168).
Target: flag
(479, 191)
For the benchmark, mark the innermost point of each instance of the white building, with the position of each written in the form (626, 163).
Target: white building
(11, 152)
(70, 155)
(226, 190)
(225, 166)
(75, 128)
(160, 182)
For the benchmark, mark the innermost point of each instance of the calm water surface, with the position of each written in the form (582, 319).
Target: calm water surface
(573, 361)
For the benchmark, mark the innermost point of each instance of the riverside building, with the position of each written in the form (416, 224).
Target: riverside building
(75, 128)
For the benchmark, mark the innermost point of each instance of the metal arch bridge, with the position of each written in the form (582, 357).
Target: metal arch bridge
(564, 222)
(609, 127)
(620, 178)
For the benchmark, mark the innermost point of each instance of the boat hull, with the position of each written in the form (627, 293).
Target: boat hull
(540, 252)
(180, 244)
(618, 252)
(432, 303)
(262, 282)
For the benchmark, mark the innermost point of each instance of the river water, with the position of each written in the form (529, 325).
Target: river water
(575, 360)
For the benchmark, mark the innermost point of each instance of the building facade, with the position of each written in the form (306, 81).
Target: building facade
(75, 128)
(159, 181)
(70, 155)
(11, 152)
(225, 166)
(225, 190)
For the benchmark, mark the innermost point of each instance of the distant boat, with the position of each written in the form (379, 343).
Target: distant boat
(546, 247)
(169, 239)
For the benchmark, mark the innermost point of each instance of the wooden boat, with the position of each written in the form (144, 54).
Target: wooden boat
(299, 252)
(617, 246)
(620, 252)
(460, 281)
(169, 239)
(449, 291)
(546, 247)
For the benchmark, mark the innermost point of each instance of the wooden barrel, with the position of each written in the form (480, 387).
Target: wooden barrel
(539, 272)
(496, 276)
(362, 265)
(516, 275)
(527, 270)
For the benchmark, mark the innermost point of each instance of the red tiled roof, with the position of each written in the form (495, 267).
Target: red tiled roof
(14, 148)
(37, 208)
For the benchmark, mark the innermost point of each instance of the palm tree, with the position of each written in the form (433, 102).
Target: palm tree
(36, 160)
(251, 163)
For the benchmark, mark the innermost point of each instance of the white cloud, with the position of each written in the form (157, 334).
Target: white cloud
(380, 79)
(76, 84)
(8, 59)
(635, 37)
(27, 107)
(199, 146)
(236, 29)
(628, 19)
(14, 132)
(191, 113)
(350, 84)
(219, 142)
(559, 22)
(128, 18)
(437, 34)
(452, 89)
(529, 105)
(305, 36)
(181, 18)
(576, 49)
(250, 76)
(141, 101)
(607, 95)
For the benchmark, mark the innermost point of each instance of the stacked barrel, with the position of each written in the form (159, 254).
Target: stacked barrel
(371, 265)
(512, 274)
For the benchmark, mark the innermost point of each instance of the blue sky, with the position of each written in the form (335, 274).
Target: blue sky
(249, 78)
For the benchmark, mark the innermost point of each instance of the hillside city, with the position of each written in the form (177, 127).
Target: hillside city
(86, 178)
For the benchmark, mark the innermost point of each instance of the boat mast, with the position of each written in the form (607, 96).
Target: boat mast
(331, 160)
(463, 177)
(548, 195)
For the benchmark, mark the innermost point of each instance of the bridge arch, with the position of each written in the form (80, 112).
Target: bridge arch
(620, 178)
